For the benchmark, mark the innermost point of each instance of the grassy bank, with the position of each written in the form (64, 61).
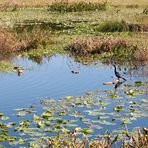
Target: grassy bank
(40, 32)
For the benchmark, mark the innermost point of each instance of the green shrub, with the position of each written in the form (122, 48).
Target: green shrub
(114, 26)
(78, 7)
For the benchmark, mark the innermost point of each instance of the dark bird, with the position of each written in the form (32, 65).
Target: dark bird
(75, 72)
(118, 74)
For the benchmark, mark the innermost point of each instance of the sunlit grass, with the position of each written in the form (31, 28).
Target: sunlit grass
(46, 2)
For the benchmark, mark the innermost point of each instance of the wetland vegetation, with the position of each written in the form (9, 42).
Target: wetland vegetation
(111, 32)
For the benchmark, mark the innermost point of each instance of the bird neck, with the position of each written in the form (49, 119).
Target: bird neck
(115, 68)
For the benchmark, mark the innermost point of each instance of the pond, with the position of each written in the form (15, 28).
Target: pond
(53, 78)
(60, 81)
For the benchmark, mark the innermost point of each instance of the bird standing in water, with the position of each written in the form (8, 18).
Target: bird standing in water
(118, 74)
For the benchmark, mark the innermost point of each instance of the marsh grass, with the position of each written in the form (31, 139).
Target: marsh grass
(29, 25)
(8, 42)
(6, 66)
(69, 139)
(141, 54)
(114, 26)
(78, 7)
(34, 39)
(93, 45)
(11, 42)
(122, 26)
(108, 48)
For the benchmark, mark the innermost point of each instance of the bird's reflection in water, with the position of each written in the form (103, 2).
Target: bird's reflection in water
(117, 85)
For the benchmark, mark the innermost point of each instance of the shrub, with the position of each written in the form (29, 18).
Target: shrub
(8, 41)
(138, 27)
(141, 54)
(114, 26)
(11, 42)
(121, 26)
(100, 45)
(34, 38)
(78, 7)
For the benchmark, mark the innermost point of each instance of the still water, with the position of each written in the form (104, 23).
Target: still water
(53, 78)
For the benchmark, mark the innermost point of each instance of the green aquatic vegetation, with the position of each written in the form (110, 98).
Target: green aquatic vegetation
(6, 66)
(69, 115)
(138, 83)
(118, 108)
(133, 92)
(24, 111)
(113, 95)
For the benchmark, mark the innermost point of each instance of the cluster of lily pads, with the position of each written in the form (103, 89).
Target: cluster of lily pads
(90, 116)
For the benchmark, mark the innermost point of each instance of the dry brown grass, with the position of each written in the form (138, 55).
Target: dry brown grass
(118, 47)
(46, 2)
(92, 45)
(137, 139)
(141, 54)
(8, 41)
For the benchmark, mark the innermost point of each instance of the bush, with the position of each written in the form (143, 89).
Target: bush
(114, 26)
(138, 27)
(34, 38)
(121, 26)
(11, 42)
(100, 45)
(8, 41)
(78, 7)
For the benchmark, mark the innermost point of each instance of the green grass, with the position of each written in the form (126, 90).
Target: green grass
(78, 7)
(6, 66)
(61, 29)
(114, 26)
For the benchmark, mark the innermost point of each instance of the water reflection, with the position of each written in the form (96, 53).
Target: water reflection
(117, 85)
(55, 77)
